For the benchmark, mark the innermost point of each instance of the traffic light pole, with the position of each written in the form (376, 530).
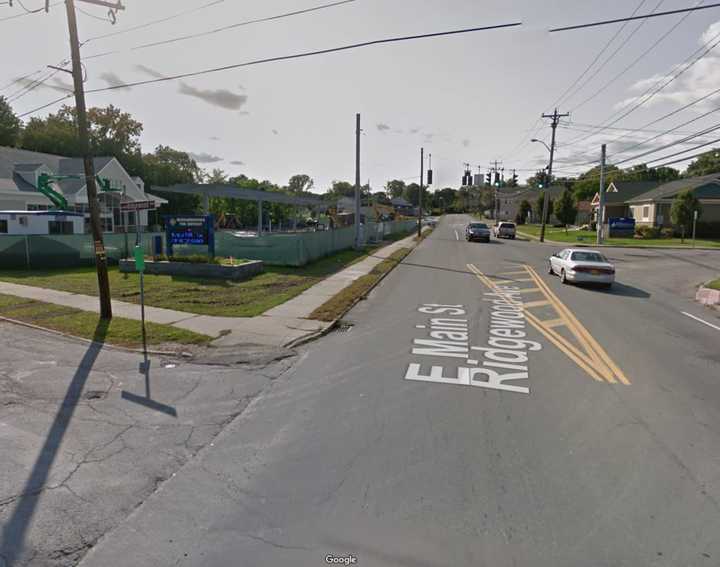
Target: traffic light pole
(357, 182)
(83, 135)
(555, 121)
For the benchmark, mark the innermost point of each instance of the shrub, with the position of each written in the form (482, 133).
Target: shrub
(667, 232)
(707, 229)
(191, 259)
(646, 232)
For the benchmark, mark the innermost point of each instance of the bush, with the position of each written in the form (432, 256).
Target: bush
(667, 232)
(191, 259)
(646, 232)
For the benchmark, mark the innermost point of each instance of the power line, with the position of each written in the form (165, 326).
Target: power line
(628, 19)
(221, 29)
(597, 57)
(640, 57)
(304, 54)
(617, 50)
(46, 105)
(154, 22)
(655, 89)
(671, 144)
(30, 12)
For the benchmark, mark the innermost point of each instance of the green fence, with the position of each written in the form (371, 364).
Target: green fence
(54, 251)
(285, 249)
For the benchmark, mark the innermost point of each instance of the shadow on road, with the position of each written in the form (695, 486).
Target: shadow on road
(15, 530)
(620, 289)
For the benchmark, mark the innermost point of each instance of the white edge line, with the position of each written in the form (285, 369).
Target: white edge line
(701, 321)
(457, 236)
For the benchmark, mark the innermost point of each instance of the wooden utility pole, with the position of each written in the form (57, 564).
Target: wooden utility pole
(555, 121)
(91, 188)
(420, 195)
(600, 220)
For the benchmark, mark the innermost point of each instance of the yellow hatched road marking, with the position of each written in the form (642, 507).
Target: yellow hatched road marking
(518, 273)
(594, 360)
(593, 345)
(539, 303)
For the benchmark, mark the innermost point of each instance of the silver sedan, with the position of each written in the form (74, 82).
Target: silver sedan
(582, 266)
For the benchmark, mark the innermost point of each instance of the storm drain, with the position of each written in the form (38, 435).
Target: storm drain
(343, 327)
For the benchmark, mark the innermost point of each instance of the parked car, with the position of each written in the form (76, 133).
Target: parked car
(477, 231)
(582, 266)
(504, 230)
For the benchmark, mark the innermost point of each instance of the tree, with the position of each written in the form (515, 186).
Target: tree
(683, 210)
(395, 188)
(539, 206)
(9, 124)
(565, 209)
(341, 189)
(167, 166)
(112, 132)
(218, 176)
(411, 193)
(444, 198)
(381, 197)
(300, 183)
(707, 163)
(523, 211)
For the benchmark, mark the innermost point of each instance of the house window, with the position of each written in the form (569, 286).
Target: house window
(106, 224)
(3, 227)
(646, 212)
(23, 221)
(60, 227)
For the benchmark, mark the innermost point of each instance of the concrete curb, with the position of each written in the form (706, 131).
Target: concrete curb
(87, 341)
(632, 246)
(334, 324)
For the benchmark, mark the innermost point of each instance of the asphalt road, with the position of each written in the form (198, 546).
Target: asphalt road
(597, 444)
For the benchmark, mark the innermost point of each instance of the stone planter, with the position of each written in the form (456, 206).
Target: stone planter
(708, 296)
(213, 271)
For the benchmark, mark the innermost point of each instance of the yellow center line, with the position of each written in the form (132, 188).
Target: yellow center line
(552, 323)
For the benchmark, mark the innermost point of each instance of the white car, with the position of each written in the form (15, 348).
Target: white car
(504, 230)
(580, 265)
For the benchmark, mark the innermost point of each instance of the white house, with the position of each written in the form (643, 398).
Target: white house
(20, 171)
(41, 222)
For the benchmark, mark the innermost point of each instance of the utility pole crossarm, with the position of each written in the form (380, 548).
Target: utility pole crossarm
(112, 5)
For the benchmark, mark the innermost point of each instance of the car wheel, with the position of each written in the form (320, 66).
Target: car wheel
(512, 237)
(563, 278)
(550, 269)
(607, 286)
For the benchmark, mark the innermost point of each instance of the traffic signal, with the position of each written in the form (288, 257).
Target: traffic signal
(488, 178)
(514, 180)
(429, 177)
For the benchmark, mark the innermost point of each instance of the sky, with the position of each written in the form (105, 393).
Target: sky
(472, 98)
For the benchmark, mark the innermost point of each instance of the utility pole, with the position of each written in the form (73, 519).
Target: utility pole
(357, 181)
(93, 205)
(420, 194)
(555, 121)
(601, 205)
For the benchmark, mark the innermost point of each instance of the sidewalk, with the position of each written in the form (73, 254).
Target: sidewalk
(281, 326)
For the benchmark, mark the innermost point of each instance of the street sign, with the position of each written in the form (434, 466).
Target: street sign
(140, 258)
(132, 206)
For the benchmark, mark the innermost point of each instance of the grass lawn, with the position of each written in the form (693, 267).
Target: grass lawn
(123, 332)
(588, 237)
(195, 295)
(342, 301)
(715, 284)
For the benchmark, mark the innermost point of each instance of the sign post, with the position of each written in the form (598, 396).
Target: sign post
(139, 252)
(695, 217)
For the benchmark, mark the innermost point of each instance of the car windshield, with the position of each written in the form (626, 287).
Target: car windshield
(478, 225)
(588, 257)
(507, 225)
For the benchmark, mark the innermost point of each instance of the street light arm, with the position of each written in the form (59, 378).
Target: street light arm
(541, 142)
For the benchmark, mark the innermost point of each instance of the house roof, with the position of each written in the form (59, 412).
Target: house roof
(626, 190)
(15, 162)
(668, 190)
(400, 202)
